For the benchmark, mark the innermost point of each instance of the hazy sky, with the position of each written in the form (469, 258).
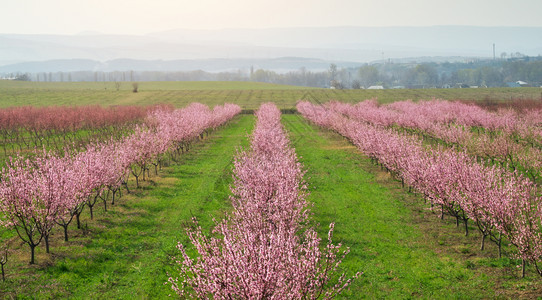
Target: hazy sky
(145, 16)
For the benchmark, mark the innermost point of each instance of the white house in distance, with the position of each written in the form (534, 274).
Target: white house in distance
(518, 83)
(375, 87)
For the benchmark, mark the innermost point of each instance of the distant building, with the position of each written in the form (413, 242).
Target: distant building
(461, 86)
(518, 83)
(375, 87)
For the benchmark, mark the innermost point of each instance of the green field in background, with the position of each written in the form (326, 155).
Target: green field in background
(249, 95)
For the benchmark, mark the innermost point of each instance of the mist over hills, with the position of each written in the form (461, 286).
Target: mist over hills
(469, 40)
(278, 49)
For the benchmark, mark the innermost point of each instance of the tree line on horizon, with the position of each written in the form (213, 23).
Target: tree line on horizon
(481, 73)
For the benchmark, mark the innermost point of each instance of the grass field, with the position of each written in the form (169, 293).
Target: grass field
(249, 95)
(404, 250)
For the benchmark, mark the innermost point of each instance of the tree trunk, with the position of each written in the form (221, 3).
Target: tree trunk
(65, 232)
(32, 248)
(500, 243)
(46, 237)
(113, 199)
(77, 215)
(483, 242)
(126, 186)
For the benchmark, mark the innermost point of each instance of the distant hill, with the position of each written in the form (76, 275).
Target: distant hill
(436, 40)
(223, 49)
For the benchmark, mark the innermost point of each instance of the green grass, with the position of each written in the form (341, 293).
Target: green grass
(127, 252)
(249, 95)
(404, 250)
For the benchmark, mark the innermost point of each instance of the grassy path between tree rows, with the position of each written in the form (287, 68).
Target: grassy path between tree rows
(404, 250)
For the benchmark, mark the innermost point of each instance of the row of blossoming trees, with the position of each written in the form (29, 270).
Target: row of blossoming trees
(40, 192)
(504, 204)
(28, 126)
(510, 138)
(264, 248)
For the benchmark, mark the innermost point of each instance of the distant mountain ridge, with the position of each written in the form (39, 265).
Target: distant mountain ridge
(448, 37)
(328, 44)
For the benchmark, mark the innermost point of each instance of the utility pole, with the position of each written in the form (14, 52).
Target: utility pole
(493, 51)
